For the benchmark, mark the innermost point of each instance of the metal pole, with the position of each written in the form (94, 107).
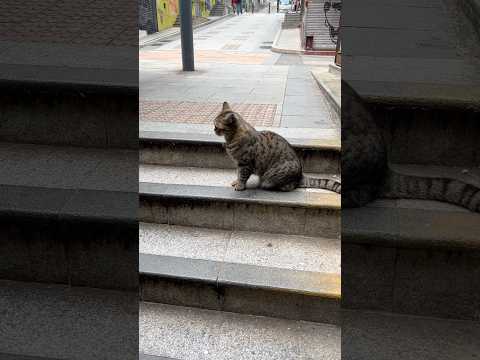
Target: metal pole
(186, 33)
(278, 6)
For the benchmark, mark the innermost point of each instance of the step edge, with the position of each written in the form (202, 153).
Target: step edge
(436, 239)
(152, 136)
(158, 192)
(219, 282)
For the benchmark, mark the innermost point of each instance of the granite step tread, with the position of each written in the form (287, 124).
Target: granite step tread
(43, 317)
(68, 204)
(154, 357)
(99, 185)
(162, 174)
(87, 168)
(381, 335)
(416, 223)
(387, 224)
(303, 138)
(225, 274)
(223, 335)
(290, 252)
(297, 199)
(292, 277)
(196, 145)
(420, 85)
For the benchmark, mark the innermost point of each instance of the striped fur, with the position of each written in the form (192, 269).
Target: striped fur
(400, 186)
(366, 173)
(263, 153)
(319, 183)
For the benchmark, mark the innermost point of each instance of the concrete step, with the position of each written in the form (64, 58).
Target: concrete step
(293, 277)
(52, 321)
(68, 220)
(418, 83)
(218, 9)
(174, 196)
(207, 177)
(222, 335)
(197, 145)
(430, 135)
(74, 120)
(380, 335)
(411, 256)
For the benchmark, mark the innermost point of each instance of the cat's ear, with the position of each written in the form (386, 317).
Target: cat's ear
(230, 118)
(226, 107)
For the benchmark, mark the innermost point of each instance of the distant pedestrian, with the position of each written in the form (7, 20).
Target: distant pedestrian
(237, 6)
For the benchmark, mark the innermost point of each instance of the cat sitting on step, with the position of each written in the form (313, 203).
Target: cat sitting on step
(265, 154)
(365, 171)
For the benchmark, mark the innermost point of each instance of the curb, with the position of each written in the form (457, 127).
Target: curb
(331, 98)
(279, 50)
(319, 52)
(276, 49)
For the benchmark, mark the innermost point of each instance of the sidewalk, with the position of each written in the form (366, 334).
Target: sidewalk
(268, 89)
(174, 32)
(288, 41)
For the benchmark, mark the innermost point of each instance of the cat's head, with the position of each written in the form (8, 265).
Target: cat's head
(226, 121)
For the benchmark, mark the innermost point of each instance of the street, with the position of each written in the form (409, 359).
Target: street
(234, 63)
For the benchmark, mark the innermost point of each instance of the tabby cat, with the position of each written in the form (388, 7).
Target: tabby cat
(365, 171)
(266, 154)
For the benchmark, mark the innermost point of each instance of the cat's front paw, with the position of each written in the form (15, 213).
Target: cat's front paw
(238, 186)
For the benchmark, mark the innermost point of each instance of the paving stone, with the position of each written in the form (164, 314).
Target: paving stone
(203, 113)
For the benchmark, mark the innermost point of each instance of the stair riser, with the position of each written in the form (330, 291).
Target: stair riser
(68, 116)
(290, 26)
(431, 137)
(214, 156)
(68, 251)
(240, 216)
(425, 282)
(233, 298)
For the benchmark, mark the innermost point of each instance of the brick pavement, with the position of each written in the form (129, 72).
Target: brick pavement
(204, 113)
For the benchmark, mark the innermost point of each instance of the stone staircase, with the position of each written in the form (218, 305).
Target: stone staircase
(68, 204)
(261, 262)
(314, 25)
(218, 9)
(408, 256)
(292, 20)
(412, 256)
(196, 20)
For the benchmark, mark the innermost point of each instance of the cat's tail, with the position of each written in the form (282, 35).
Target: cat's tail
(457, 192)
(321, 183)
